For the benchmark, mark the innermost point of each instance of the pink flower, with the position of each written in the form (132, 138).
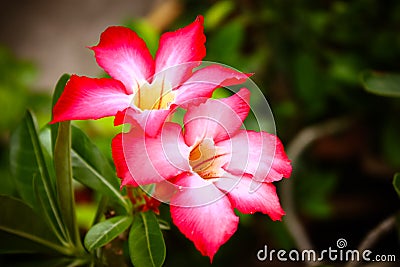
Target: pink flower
(206, 169)
(150, 86)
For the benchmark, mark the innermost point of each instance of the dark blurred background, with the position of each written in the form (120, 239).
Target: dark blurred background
(308, 58)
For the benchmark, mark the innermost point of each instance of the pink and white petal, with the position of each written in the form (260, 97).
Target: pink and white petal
(89, 98)
(203, 82)
(259, 154)
(151, 120)
(218, 119)
(208, 226)
(246, 200)
(124, 56)
(179, 47)
(151, 159)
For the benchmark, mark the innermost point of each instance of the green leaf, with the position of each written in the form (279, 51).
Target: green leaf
(396, 183)
(27, 161)
(146, 242)
(22, 230)
(64, 186)
(92, 169)
(385, 84)
(25, 157)
(104, 232)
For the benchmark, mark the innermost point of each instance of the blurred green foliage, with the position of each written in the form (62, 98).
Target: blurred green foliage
(15, 79)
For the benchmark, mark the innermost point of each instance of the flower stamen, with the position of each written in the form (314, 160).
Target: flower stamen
(205, 160)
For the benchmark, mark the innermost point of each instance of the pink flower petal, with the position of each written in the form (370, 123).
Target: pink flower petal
(88, 98)
(203, 82)
(194, 191)
(179, 47)
(124, 56)
(217, 118)
(242, 197)
(147, 160)
(259, 154)
(208, 226)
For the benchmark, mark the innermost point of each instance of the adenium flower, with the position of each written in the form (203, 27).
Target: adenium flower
(151, 87)
(206, 169)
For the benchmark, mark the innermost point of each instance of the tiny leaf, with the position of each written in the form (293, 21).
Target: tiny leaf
(386, 84)
(104, 232)
(396, 183)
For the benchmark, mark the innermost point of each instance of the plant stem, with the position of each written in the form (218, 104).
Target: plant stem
(100, 209)
(305, 138)
(373, 236)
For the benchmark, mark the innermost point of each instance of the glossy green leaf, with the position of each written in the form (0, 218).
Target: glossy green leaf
(64, 186)
(23, 230)
(396, 183)
(104, 232)
(386, 84)
(146, 242)
(91, 168)
(27, 161)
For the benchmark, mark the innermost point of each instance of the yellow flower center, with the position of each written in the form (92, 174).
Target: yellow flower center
(205, 160)
(156, 95)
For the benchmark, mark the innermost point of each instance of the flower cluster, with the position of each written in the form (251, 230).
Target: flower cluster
(204, 167)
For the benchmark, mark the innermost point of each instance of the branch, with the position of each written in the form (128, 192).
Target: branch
(374, 235)
(305, 138)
